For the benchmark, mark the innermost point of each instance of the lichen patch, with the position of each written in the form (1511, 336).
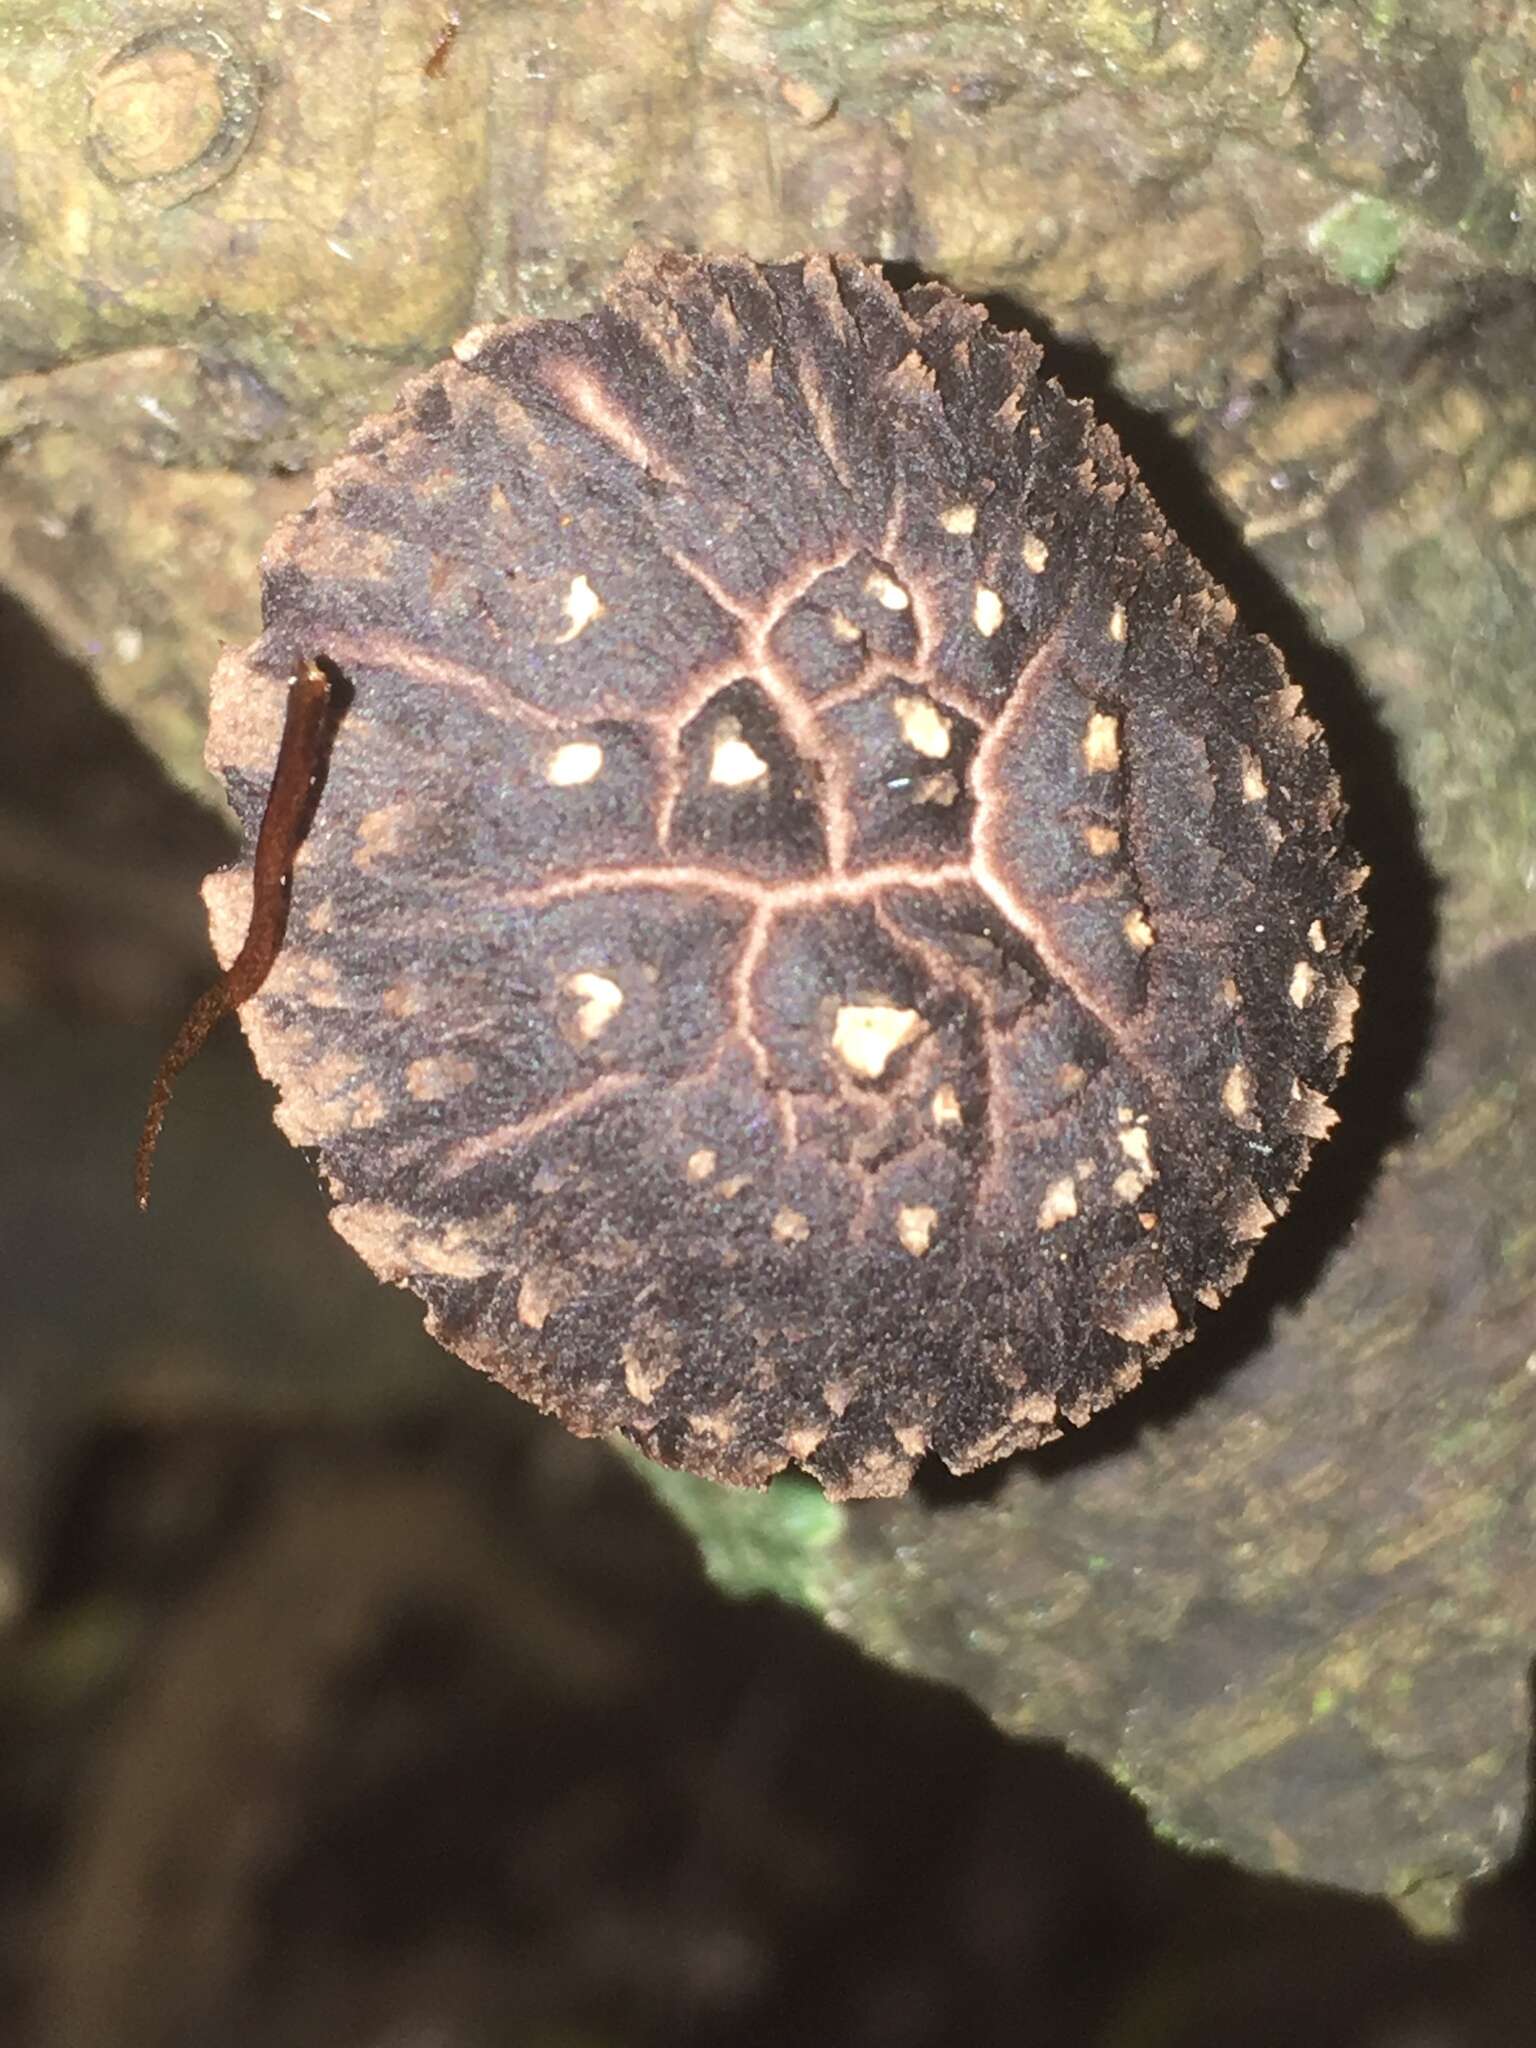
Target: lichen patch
(1059, 1204)
(986, 611)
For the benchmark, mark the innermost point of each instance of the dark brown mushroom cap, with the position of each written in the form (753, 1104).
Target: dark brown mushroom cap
(823, 939)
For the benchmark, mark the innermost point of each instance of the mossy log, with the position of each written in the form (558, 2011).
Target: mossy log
(1289, 249)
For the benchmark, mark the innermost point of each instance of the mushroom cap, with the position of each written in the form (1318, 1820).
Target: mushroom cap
(823, 939)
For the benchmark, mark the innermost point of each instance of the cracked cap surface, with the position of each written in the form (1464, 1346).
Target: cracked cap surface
(823, 939)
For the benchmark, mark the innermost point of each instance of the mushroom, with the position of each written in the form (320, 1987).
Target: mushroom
(833, 848)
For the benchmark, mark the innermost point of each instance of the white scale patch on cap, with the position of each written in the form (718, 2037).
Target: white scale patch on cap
(577, 761)
(601, 1001)
(867, 1034)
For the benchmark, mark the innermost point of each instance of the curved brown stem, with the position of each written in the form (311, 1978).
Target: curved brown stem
(301, 756)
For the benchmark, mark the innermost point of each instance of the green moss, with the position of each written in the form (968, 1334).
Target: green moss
(774, 1542)
(1123, 30)
(1360, 240)
(1382, 20)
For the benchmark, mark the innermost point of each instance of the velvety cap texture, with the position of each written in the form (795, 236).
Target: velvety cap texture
(823, 939)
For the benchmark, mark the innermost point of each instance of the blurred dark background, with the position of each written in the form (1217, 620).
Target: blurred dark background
(344, 1702)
